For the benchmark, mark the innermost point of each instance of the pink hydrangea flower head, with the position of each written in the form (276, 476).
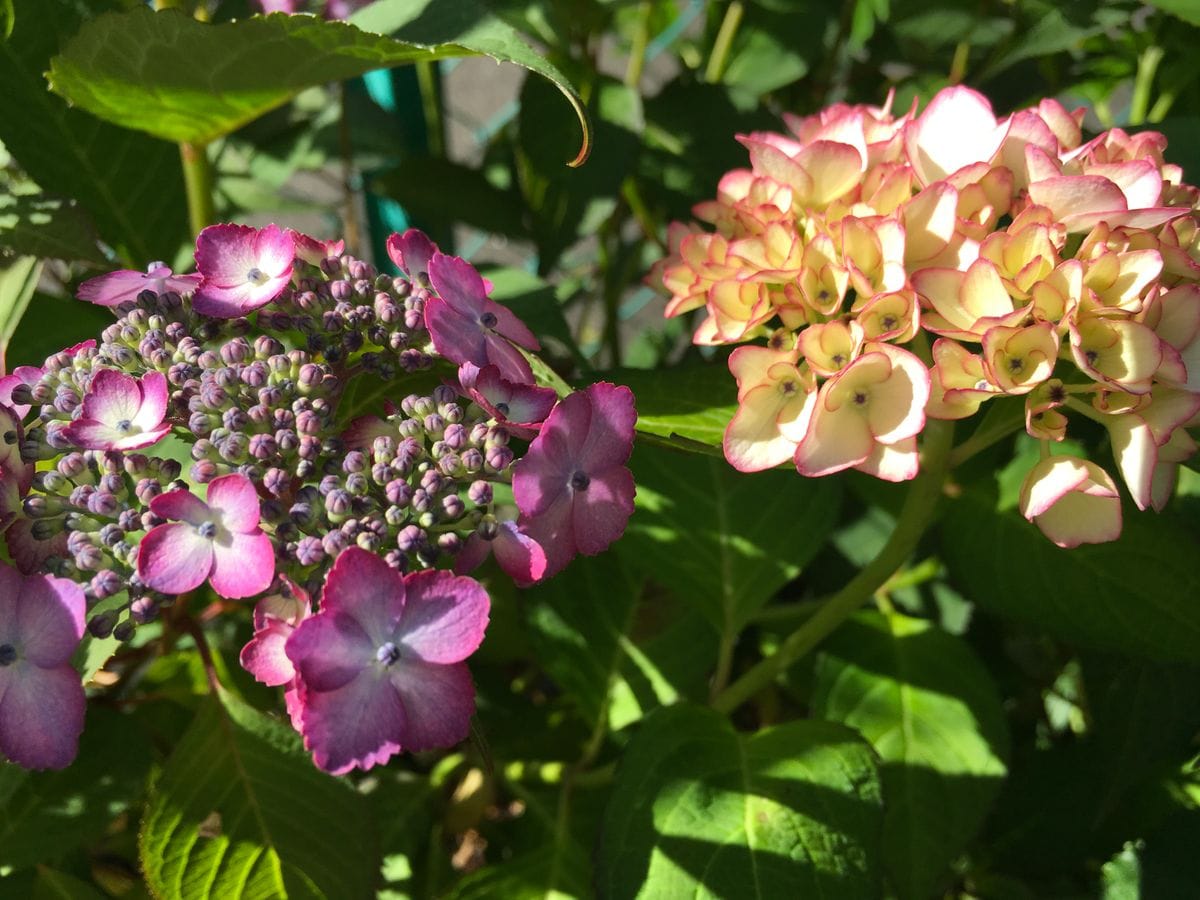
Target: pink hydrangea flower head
(572, 488)
(41, 698)
(1072, 501)
(218, 541)
(121, 412)
(411, 252)
(243, 268)
(957, 129)
(520, 407)
(124, 286)
(381, 665)
(466, 326)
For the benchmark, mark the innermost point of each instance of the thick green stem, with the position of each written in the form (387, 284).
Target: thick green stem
(720, 51)
(1147, 67)
(641, 40)
(431, 106)
(198, 183)
(914, 518)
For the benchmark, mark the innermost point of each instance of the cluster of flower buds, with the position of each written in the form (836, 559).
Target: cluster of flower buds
(1046, 267)
(295, 493)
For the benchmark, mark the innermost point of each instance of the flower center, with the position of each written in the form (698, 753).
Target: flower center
(388, 654)
(124, 426)
(10, 437)
(787, 387)
(257, 276)
(580, 481)
(488, 320)
(1091, 356)
(207, 530)
(860, 398)
(8, 654)
(502, 408)
(1016, 364)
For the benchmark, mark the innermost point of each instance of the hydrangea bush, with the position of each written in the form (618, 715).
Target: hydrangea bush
(1040, 264)
(346, 528)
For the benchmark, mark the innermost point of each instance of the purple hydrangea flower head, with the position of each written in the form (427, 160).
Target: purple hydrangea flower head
(572, 488)
(218, 541)
(41, 698)
(243, 268)
(381, 665)
(275, 618)
(11, 436)
(121, 412)
(124, 286)
(521, 407)
(466, 326)
(411, 252)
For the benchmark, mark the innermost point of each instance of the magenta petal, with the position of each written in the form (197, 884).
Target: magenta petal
(438, 703)
(243, 567)
(11, 584)
(174, 558)
(507, 358)
(359, 724)
(28, 553)
(112, 397)
(411, 252)
(610, 432)
(472, 555)
(181, 505)
(444, 618)
(222, 303)
(50, 619)
(459, 284)
(511, 327)
(329, 650)
(234, 497)
(520, 556)
(264, 656)
(153, 388)
(554, 531)
(455, 336)
(41, 715)
(275, 251)
(225, 253)
(603, 509)
(362, 585)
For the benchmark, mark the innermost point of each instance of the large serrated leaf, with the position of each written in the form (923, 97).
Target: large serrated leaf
(239, 811)
(693, 402)
(723, 540)
(152, 70)
(701, 811)
(932, 712)
(1136, 595)
(131, 186)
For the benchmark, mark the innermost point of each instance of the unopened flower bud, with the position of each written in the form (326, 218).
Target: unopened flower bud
(410, 538)
(498, 458)
(124, 630)
(101, 625)
(480, 493)
(105, 583)
(309, 551)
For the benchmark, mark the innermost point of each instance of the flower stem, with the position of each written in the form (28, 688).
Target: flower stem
(914, 518)
(641, 40)
(720, 51)
(198, 183)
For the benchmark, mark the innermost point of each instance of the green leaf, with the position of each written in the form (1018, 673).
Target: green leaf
(51, 885)
(579, 622)
(534, 302)
(934, 716)
(699, 810)
(690, 402)
(45, 816)
(126, 67)
(1134, 596)
(722, 540)
(8, 18)
(1121, 876)
(239, 810)
(548, 873)
(18, 280)
(1187, 10)
(1051, 33)
(36, 225)
(129, 185)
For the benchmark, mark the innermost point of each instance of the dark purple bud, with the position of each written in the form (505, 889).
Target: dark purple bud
(204, 471)
(79, 496)
(455, 436)
(66, 400)
(234, 419)
(398, 492)
(124, 630)
(301, 513)
(265, 346)
(253, 473)
(480, 493)
(102, 503)
(38, 506)
(89, 558)
(432, 481)
(472, 460)
(213, 396)
(357, 484)
(234, 448)
(201, 424)
(410, 538)
(280, 364)
(262, 446)
(169, 469)
(135, 463)
(129, 520)
(340, 290)
(354, 461)
(270, 395)
(286, 440)
(309, 551)
(329, 483)
(453, 506)
(111, 534)
(144, 609)
(498, 458)
(260, 415)
(450, 543)
(497, 436)
(308, 423)
(209, 359)
(255, 374)
(338, 504)
(277, 481)
(334, 543)
(150, 520)
(105, 583)
(283, 418)
(421, 501)
(414, 319)
(101, 626)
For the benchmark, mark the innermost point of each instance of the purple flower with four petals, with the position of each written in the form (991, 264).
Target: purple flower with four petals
(381, 665)
(218, 541)
(572, 487)
(468, 327)
(41, 698)
(124, 286)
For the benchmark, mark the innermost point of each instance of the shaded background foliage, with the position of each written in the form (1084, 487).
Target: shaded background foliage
(1009, 721)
